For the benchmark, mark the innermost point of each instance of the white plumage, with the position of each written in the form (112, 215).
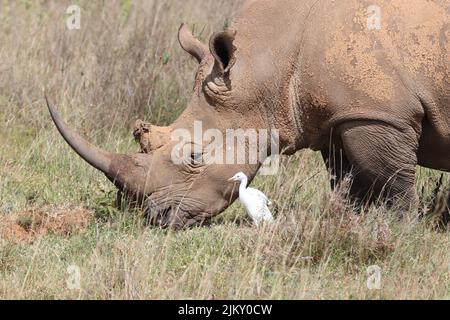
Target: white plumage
(254, 201)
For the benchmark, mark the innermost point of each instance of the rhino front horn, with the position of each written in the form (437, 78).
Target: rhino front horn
(96, 157)
(130, 173)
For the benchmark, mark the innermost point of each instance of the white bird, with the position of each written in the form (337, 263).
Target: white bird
(254, 201)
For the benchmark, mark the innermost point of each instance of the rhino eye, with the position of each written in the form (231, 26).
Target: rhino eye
(196, 159)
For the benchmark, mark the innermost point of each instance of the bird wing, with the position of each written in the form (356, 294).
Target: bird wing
(264, 214)
(259, 195)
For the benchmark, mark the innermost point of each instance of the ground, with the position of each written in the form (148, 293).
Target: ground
(61, 233)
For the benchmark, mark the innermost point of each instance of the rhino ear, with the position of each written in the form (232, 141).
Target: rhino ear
(222, 48)
(190, 44)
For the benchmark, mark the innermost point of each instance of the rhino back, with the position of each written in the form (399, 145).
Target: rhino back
(393, 67)
(335, 60)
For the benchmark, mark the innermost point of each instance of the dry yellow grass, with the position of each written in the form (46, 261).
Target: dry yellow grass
(125, 63)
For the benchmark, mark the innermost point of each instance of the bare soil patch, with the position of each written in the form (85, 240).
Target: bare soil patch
(27, 226)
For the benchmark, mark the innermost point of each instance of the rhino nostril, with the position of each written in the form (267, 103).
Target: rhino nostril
(157, 215)
(170, 216)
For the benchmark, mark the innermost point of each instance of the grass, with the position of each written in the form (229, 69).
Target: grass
(125, 64)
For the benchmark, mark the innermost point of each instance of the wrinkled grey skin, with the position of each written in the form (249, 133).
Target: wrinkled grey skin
(374, 101)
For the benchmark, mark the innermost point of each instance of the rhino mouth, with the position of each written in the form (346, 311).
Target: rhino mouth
(172, 217)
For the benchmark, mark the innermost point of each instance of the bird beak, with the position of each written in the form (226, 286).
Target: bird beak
(231, 179)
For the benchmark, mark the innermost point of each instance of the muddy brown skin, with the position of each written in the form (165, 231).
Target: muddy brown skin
(374, 102)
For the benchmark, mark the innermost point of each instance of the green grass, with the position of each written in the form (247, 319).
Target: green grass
(120, 258)
(317, 249)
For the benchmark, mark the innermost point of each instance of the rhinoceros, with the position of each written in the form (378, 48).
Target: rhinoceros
(366, 83)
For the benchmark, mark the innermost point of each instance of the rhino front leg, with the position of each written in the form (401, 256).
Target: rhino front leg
(383, 161)
(339, 169)
(337, 164)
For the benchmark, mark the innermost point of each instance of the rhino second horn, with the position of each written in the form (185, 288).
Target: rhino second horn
(96, 157)
(150, 137)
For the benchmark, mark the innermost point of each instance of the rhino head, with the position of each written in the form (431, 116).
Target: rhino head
(179, 189)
